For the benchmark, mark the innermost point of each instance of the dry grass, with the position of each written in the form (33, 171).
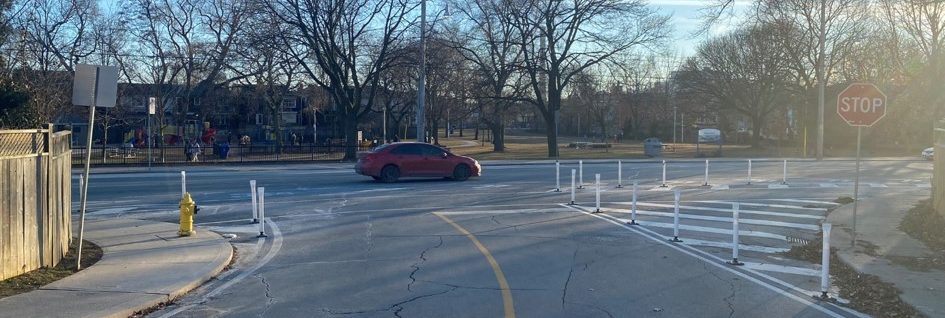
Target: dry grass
(533, 146)
(33, 280)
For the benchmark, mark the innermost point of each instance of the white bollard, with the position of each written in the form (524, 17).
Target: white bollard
(572, 187)
(735, 235)
(252, 192)
(262, 212)
(183, 183)
(580, 174)
(784, 179)
(557, 176)
(676, 217)
(597, 192)
(633, 206)
(749, 171)
(705, 182)
(619, 174)
(81, 185)
(825, 263)
(664, 174)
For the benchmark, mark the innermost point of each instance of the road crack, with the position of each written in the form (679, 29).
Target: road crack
(564, 291)
(423, 259)
(731, 284)
(269, 298)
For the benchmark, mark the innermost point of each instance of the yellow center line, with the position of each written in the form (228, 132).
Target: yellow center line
(499, 276)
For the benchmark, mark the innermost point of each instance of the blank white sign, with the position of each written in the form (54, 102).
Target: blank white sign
(84, 85)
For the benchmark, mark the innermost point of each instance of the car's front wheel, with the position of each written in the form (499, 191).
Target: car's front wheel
(461, 172)
(390, 174)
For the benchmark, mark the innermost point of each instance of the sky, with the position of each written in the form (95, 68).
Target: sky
(686, 21)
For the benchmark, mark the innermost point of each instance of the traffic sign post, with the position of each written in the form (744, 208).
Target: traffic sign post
(860, 105)
(93, 86)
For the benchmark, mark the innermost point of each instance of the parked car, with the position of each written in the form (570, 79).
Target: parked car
(390, 162)
(928, 153)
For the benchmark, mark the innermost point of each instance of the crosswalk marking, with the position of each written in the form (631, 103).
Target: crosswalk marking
(713, 230)
(783, 269)
(727, 210)
(811, 227)
(807, 201)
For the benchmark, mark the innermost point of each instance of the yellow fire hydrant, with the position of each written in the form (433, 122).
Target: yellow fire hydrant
(188, 208)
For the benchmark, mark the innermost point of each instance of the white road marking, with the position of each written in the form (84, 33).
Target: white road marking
(829, 185)
(765, 205)
(778, 186)
(783, 269)
(811, 227)
(720, 187)
(111, 210)
(717, 262)
(753, 248)
(807, 201)
(524, 211)
(878, 185)
(726, 210)
(276, 246)
(923, 185)
(708, 229)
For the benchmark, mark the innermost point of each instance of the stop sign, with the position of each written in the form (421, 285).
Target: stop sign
(861, 104)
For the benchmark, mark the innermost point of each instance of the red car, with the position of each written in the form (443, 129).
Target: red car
(390, 162)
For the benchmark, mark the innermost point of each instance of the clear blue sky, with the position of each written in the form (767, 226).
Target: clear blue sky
(686, 21)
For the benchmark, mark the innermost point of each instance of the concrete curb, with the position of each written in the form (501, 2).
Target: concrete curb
(143, 265)
(878, 236)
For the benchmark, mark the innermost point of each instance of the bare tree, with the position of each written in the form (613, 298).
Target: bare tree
(345, 46)
(559, 39)
(489, 42)
(747, 72)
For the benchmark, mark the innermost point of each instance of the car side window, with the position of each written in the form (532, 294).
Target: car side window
(407, 150)
(432, 151)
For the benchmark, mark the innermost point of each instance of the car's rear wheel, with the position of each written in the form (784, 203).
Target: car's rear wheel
(390, 174)
(461, 172)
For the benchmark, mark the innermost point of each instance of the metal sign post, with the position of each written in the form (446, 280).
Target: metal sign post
(93, 86)
(860, 105)
(152, 105)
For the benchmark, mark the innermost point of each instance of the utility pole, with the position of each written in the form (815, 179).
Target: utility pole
(421, 82)
(820, 81)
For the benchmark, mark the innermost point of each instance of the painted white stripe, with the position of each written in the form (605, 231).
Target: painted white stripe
(778, 186)
(666, 188)
(743, 247)
(728, 210)
(829, 185)
(720, 187)
(708, 229)
(811, 227)
(923, 185)
(525, 211)
(717, 262)
(807, 201)
(273, 250)
(783, 269)
(765, 205)
(878, 185)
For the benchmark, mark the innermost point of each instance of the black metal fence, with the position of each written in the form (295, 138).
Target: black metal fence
(218, 154)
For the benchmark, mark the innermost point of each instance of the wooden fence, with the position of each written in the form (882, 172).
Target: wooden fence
(35, 199)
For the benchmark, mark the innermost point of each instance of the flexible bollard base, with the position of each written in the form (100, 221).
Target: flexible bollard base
(619, 186)
(261, 234)
(572, 203)
(663, 186)
(255, 221)
(824, 297)
(633, 222)
(675, 239)
(735, 262)
(557, 190)
(596, 211)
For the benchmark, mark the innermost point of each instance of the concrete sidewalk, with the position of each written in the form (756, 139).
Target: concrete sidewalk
(144, 263)
(879, 241)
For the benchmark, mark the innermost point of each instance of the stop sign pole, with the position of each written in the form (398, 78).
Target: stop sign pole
(860, 105)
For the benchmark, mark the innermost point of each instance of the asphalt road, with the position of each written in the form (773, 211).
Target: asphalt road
(506, 244)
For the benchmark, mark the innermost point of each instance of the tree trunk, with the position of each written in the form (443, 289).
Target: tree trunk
(351, 138)
(755, 132)
(552, 134)
(476, 136)
(498, 137)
